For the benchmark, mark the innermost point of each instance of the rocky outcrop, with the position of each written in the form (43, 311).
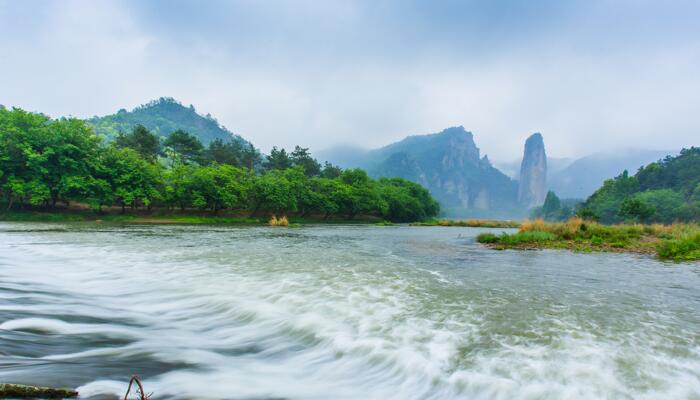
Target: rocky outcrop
(532, 187)
(450, 165)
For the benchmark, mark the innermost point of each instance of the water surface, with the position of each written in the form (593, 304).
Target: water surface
(339, 312)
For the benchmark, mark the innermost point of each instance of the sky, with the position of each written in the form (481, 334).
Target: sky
(589, 75)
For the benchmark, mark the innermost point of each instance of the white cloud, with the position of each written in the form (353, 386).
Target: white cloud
(317, 76)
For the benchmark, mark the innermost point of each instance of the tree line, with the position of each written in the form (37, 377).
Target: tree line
(47, 162)
(665, 191)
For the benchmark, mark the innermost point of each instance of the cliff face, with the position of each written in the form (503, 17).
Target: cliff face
(532, 187)
(450, 166)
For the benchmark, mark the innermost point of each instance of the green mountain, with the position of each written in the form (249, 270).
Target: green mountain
(664, 191)
(449, 164)
(162, 117)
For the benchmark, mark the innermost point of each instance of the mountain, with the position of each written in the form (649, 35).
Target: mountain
(584, 175)
(162, 117)
(449, 164)
(532, 186)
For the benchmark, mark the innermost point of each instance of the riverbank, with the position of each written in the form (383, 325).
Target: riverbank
(159, 217)
(678, 242)
(471, 223)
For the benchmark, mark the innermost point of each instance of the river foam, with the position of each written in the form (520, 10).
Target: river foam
(343, 313)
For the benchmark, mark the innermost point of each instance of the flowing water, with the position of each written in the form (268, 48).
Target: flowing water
(339, 312)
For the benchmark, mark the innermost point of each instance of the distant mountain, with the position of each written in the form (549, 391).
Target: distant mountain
(583, 176)
(162, 117)
(447, 163)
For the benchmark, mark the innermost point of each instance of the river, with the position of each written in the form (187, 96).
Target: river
(339, 312)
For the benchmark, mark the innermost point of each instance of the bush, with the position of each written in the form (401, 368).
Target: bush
(487, 238)
(282, 221)
(684, 248)
(526, 237)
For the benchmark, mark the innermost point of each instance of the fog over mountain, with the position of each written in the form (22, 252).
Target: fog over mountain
(568, 178)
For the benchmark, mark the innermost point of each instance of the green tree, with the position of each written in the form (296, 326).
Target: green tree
(605, 202)
(251, 158)
(363, 198)
(45, 161)
(278, 159)
(406, 201)
(125, 178)
(142, 140)
(230, 153)
(668, 205)
(331, 171)
(185, 148)
(302, 158)
(178, 185)
(636, 209)
(552, 205)
(218, 187)
(273, 192)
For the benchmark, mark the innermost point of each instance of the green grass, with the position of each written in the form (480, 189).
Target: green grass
(681, 249)
(679, 242)
(165, 217)
(383, 223)
(37, 216)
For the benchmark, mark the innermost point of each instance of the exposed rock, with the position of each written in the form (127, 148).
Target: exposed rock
(450, 165)
(532, 187)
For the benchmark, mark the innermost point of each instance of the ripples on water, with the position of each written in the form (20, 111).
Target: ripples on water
(338, 312)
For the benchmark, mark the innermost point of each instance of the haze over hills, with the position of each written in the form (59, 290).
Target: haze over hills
(162, 117)
(585, 175)
(458, 191)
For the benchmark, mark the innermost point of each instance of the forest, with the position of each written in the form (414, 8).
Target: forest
(52, 163)
(665, 191)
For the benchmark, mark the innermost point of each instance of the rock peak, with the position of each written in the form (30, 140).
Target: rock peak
(532, 187)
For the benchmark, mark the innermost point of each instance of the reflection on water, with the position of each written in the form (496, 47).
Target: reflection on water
(340, 312)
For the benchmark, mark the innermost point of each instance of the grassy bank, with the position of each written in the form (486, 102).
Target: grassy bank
(77, 216)
(471, 223)
(679, 242)
(161, 217)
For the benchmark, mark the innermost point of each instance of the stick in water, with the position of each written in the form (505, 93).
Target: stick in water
(142, 394)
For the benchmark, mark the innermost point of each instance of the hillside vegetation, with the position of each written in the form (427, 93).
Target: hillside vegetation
(47, 163)
(664, 191)
(163, 117)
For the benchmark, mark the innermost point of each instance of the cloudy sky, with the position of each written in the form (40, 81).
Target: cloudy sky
(590, 75)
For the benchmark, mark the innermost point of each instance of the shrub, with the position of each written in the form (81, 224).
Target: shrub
(683, 248)
(526, 237)
(282, 221)
(487, 238)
